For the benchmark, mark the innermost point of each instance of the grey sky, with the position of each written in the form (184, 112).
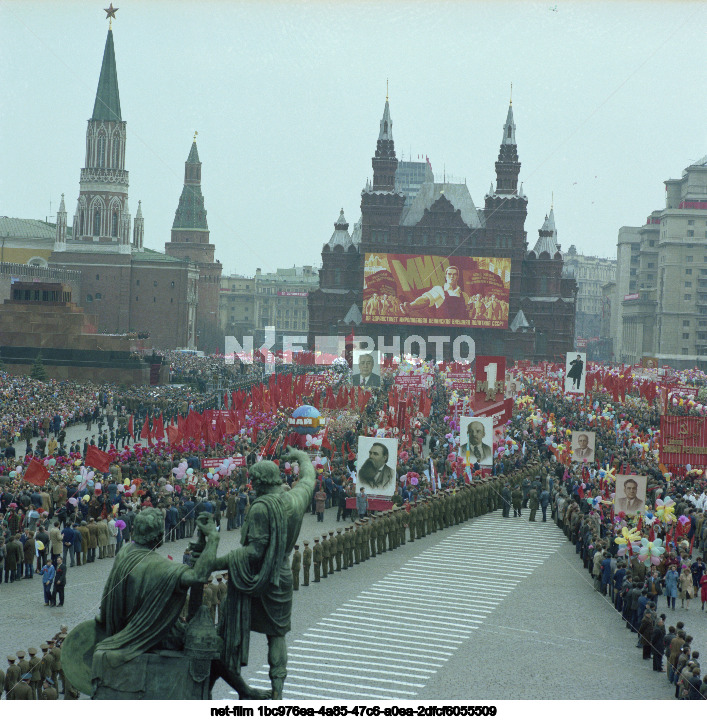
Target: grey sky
(607, 97)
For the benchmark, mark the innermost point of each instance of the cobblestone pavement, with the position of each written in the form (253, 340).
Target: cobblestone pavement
(495, 608)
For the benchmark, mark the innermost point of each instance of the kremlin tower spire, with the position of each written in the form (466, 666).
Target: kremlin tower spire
(190, 241)
(60, 239)
(102, 209)
(384, 162)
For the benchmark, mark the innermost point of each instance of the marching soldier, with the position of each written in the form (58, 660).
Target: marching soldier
(339, 548)
(22, 662)
(49, 692)
(23, 691)
(58, 673)
(307, 562)
(373, 535)
(35, 664)
(296, 565)
(364, 530)
(12, 677)
(46, 667)
(332, 552)
(404, 524)
(317, 557)
(347, 548)
(380, 533)
(420, 516)
(357, 542)
(324, 545)
(412, 521)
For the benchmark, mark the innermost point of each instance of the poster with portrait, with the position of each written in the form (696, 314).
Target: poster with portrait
(583, 446)
(512, 386)
(630, 494)
(366, 369)
(575, 375)
(376, 465)
(476, 440)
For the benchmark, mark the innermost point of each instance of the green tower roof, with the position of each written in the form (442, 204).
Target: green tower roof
(107, 105)
(191, 214)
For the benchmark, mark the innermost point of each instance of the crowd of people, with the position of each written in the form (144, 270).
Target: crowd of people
(75, 519)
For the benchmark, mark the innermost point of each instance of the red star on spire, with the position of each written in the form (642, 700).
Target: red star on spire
(110, 11)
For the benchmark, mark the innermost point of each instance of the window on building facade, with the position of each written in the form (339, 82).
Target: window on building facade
(687, 296)
(137, 282)
(688, 284)
(690, 233)
(686, 324)
(686, 336)
(688, 259)
(688, 271)
(98, 296)
(114, 225)
(690, 222)
(97, 222)
(685, 351)
(89, 298)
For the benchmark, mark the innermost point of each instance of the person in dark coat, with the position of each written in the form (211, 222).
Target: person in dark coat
(658, 643)
(506, 497)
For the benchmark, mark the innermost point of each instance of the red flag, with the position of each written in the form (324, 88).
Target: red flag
(131, 430)
(172, 435)
(326, 443)
(98, 459)
(36, 473)
(158, 430)
(145, 432)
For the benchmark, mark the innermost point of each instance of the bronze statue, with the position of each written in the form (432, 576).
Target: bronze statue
(259, 576)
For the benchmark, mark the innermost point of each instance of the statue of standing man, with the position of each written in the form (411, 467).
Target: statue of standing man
(259, 575)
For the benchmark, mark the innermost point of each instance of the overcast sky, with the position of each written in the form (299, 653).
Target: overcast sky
(608, 98)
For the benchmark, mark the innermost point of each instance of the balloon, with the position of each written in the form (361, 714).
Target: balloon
(90, 483)
(176, 470)
(97, 486)
(126, 484)
(12, 474)
(18, 469)
(120, 523)
(169, 488)
(209, 475)
(39, 545)
(78, 478)
(97, 493)
(190, 471)
(216, 476)
(133, 488)
(179, 474)
(91, 475)
(86, 499)
(74, 501)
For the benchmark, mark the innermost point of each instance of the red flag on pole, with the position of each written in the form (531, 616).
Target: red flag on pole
(172, 434)
(36, 473)
(158, 430)
(145, 432)
(98, 459)
(131, 429)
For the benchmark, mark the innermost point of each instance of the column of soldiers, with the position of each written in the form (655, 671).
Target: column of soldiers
(387, 530)
(33, 677)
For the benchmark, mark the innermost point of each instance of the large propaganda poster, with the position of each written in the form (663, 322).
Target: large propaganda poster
(490, 374)
(436, 290)
(376, 465)
(574, 372)
(683, 440)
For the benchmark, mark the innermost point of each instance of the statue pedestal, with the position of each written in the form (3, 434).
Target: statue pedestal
(153, 676)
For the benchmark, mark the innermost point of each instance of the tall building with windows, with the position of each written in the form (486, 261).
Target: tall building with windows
(664, 314)
(591, 273)
(250, 304)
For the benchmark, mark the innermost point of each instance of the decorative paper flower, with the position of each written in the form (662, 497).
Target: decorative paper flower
(626, 540)
(664, 509)
(651, 551)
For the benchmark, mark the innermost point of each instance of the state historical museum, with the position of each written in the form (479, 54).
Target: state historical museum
(407, 217)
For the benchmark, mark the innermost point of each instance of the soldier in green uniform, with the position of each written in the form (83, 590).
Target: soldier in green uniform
(339, 540)
(380, 533)
(35, 664)
(332, 552)
(365, 535)
(23, 691)
(49, 692)
(317, 558)
(306, 563)
(373, 534)
(517, 500)
(420, 531)
(46, 662)
(533, 504)
(412, 521)
(58, 674)
(22, 662)
(357, 542)
(12, 676)
(324, 545)
(390, 529)
(404, 524)
(346, 543)
(296, 565)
